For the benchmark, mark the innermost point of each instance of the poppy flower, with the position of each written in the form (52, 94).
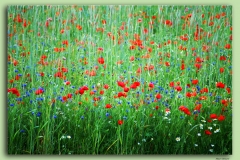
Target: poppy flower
(221, 118)
(207, 132)
(158, 96)
(213, 116)
(194, 81)
(14, 91)
(104, 21)
(39, 91)
(227, 46)
(151, 85)
(171, 84)
(199, 60)
(157, 107)
(65, 42)
(188, 94)
(224, 101)
(198, 107)
(125, 89)
(204, 90)
(101, 60)
(106, 86)
(220, 85)
(58, 74)
(121, 84)
(178, 88)
(132, 58)
(137, 83)
(222, 58)
(108, 106)
(64, 98)
(133, 86)
(168, 23)
(17, 77)
(228, 90)
(15, 62)
(120, 122)
(198, 65)
(182, 66)
(167, 64)
(101, 92)
(69, 95)
(185, 110)
(85, 88)
(81, 91)
(202, 98)
(67, 82)
(122, 94)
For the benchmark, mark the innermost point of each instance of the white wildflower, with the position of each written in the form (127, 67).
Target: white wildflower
(178, 139)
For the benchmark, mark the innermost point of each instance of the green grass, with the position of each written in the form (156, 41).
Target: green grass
(82, 126)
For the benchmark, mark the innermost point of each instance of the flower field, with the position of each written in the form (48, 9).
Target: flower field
(119, 80)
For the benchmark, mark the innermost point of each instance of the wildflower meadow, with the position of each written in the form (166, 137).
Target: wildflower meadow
(119, 79)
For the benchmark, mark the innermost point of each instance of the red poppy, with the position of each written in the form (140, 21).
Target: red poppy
(81, 91)
(132, 58)
(69, 95)
(133, 86)
(108, 106)
(39, 91)
(220, 85)
(178, 88)
(65, 42)
(198, 107)
(194, 81)
(221, 118)
(126, 89)
(17, 77)
(224, 101)
(15, 62)
(64, 98)
(199, 60)
(58, 74)
(121, 84)
(207, 132)
(101, 92)
(171, 84)
(106, 86)
(222, 58)
(213, 116)
(202, 98)
(198, 65)
(41, 74)
(104, 21)
(120, 122)
(137, 83)
(101, 60)
(227, 46)
(158, 96)
(188, 94)
(151, 85)
(167, 64)
(85, 88)
(14, 91)
(168, 23)
(204, 90)
(121, 94)
(228, 90)
(185, 110)
(221, 70)
(157, 107)
(182, 66)
(67, 83)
